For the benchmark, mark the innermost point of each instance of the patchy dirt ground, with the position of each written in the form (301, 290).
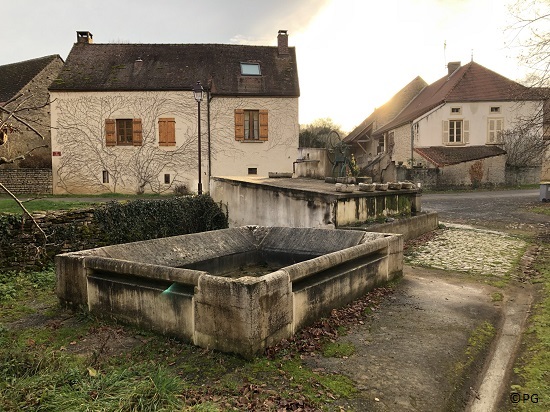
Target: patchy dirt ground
(416, 354)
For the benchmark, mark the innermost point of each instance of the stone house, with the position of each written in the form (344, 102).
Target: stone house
(454, 127)
(24, 87)
(126, 119)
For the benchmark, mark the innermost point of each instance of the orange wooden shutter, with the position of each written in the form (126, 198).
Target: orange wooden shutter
(110, 132)
(239, 124)
(263, 125)
(167, 132)
(137, 132)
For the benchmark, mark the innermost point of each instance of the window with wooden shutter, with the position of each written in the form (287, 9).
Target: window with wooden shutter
(137, 132)
(456, 132)
(263, 125)
(167, 132)
(110, 132)
(239, 124)
(494, 131)
(124, 132)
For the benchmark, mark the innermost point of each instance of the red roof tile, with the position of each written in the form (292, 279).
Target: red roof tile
(469, 83)
(389, 110)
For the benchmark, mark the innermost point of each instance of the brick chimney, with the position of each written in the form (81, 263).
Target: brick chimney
(84, 37)
(282, 42)
(452, 67)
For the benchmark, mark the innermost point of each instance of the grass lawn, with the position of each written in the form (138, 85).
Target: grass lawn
(543, 209)
(65, 202)
(8, 205)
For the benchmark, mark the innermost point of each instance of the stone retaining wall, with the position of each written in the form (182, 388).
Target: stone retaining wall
(21, 242)
(409, 227)
(25, 181)
(517, 176)
(495, 173)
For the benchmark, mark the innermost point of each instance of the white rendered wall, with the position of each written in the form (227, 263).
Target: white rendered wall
(231, 157)
(430, 132)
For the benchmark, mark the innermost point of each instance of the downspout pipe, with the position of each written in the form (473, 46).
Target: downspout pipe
(208, 100)
(412, 144)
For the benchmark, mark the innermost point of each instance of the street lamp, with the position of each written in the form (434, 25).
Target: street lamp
(197, 90)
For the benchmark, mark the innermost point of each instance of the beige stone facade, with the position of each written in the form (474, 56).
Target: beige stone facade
(231, 157)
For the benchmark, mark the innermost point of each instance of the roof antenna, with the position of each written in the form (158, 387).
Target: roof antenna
(472, 56)
(445, 53)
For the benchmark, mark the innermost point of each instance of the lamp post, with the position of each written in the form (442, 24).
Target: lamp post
(197, 90)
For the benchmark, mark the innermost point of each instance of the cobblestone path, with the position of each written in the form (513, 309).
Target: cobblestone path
(468, 249)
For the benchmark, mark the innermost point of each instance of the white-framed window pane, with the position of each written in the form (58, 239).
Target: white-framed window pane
(455, 131)
(495, 127)
(251, 124)
(246, 124)
(256, 125)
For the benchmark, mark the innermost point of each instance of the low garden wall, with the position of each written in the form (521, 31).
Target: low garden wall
(22, 181)
(459, 176)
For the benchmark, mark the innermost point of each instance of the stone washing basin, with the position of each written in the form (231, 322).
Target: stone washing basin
(235, 290)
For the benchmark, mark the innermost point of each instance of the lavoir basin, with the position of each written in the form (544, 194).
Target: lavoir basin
(236, 290)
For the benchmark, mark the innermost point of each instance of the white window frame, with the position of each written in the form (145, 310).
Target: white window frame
(464, 137)
(456, 110)
(456, 133)
(251, 125)
(250, 69)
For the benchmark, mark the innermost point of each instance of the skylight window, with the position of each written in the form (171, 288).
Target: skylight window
(250, 69)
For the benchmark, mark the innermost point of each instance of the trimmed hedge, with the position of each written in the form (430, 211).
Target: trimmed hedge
(150, 219)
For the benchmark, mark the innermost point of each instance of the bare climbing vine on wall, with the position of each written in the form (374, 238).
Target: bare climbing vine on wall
(81, 135)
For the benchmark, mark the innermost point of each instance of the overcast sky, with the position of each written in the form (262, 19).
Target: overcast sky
(353, 55)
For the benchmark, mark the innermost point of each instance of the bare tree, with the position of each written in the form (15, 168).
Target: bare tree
(316, 133)
(13, 116)
(524, 147)
(531, 36)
